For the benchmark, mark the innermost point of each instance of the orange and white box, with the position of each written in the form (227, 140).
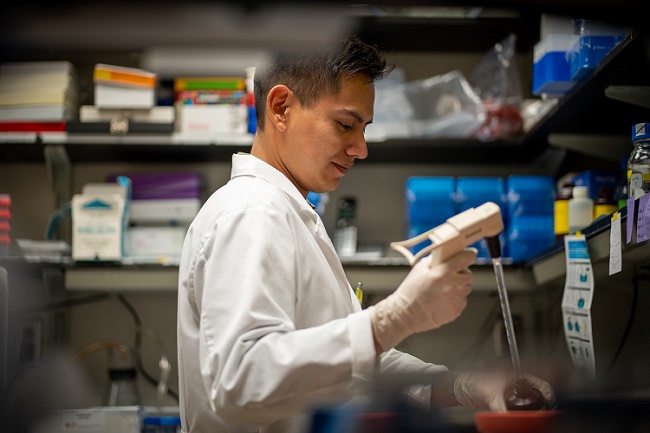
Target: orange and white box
(122, 87)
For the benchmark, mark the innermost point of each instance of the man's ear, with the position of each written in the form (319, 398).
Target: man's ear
(276, 105)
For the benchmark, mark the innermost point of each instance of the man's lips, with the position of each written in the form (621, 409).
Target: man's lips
(342, 168)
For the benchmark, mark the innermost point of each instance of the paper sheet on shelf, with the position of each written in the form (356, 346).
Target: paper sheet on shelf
(576, 303)
(615, 250)
(643, 219)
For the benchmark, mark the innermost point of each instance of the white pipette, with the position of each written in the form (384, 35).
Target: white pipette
(453, 236)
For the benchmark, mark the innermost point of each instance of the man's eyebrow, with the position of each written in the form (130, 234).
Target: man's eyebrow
(356, 116)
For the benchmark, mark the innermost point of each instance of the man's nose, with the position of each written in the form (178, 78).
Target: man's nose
(359, 147)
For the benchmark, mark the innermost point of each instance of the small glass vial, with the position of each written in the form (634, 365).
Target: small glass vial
(605, 205)
(345, 235)
(638, 165)
(620, 195)
(581, 209)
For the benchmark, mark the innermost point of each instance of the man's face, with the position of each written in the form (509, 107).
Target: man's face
(323, 141)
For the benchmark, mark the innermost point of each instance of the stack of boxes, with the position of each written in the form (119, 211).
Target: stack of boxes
(124, 103)
(211, 106)
(161, 209)
(37, 96)
(526, 206)
(568, 50)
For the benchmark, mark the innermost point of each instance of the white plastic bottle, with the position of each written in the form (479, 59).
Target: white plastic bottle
(581, 209)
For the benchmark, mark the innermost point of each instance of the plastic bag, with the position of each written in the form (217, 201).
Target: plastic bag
(440, 106)
(444, 106)
(393, 113)
(496, 80)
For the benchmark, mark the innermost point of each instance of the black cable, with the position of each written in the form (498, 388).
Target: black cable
(138, 345)
(67, 303)
(45, 308)
(628, 325)
(59, 305)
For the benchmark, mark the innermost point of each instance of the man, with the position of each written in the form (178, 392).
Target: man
(268, 323)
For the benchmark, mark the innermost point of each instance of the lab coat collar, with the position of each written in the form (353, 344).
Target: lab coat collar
(245, 164)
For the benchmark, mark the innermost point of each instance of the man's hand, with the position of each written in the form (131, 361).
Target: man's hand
(429, 297)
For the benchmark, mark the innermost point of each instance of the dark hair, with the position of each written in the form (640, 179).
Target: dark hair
(310, 75)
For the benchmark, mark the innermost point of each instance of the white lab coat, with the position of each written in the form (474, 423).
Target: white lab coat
(268, 325)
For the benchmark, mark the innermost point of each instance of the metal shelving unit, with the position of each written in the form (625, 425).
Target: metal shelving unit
(613, 97)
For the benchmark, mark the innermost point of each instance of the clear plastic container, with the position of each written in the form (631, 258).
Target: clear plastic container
(638, 165)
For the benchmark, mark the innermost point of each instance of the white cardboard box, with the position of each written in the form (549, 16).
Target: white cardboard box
(154, 242)
(114, 96)
(97, 226)
(120, 419)
(158, 114)
(222, 118)
(164, 211)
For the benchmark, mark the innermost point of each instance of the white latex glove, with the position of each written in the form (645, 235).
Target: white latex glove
(486, 390)
(428, 298)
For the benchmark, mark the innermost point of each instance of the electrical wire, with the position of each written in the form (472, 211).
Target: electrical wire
(120, 349)
(59, 305)
(163, 362)
(67, 303)
(138, 346)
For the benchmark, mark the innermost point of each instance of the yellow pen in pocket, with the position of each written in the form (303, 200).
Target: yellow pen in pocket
(359, 292)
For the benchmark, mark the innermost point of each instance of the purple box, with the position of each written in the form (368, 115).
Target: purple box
(156, 186)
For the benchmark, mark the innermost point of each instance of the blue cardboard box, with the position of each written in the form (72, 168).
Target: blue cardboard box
(595, 180)
(472, 192)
